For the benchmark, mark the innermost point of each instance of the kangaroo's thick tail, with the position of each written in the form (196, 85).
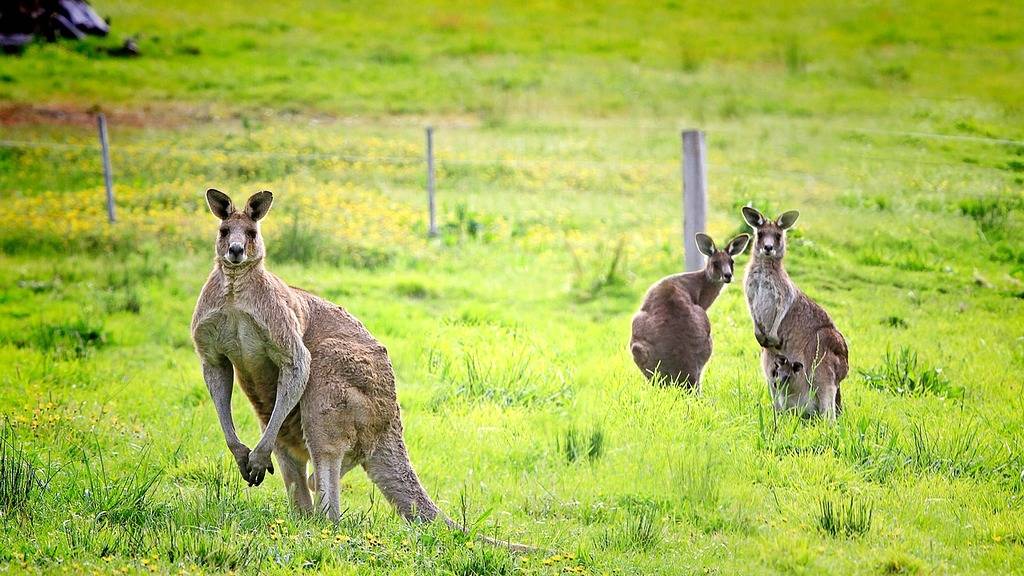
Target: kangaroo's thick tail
(390, 469)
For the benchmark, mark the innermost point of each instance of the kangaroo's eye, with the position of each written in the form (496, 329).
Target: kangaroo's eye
(251, 234)
(224, 231)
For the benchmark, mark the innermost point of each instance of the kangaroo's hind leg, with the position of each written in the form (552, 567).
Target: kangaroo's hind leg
(329, 470)
(329, 437)
(826, 391)
(340, 422)
(293, 471)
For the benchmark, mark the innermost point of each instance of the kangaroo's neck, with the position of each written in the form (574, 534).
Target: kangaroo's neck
(241, 281)
(707, 291)
(769, 266)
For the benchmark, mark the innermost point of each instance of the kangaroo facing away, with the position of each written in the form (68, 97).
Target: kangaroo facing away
(671, 332)
(788, 323)
(321, 385)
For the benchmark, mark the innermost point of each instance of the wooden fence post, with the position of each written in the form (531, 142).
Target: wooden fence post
(695, 195)
(432, 230)
(108, 177)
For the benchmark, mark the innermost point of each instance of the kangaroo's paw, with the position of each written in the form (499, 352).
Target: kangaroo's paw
(257, 467)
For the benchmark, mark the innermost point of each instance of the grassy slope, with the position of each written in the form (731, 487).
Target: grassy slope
(550, 60)
(504, 341)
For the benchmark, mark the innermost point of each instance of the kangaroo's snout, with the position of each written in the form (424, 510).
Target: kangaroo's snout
(727, 277)
(236, 252)
(768, 248)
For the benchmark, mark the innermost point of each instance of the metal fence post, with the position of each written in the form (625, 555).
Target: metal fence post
(432, 230)
(695, 195)
(108, 177)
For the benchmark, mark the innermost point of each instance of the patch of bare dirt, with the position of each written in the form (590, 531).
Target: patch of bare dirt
(76, 115)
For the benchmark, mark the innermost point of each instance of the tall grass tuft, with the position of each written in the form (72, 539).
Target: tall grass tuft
(18, 477)
(300, 242)
(871, 446)
(991, 214)
(900, 373)
(230, 549)
(511, 380)
(466, 224)
(68, 339)
(638, 533)
(851, 520)
(127, 499)
(959, 453)
(219, 494)
(480, 560)
(795, 57)
(297, 242)
(894, 322)
(777, 433)
(696, 483)
(576, 445)
(594, 275)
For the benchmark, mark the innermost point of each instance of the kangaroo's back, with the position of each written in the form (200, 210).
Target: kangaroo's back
(671, 333)
(328, 320)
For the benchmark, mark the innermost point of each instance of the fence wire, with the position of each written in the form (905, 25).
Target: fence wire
(659, 169)
(443, 158)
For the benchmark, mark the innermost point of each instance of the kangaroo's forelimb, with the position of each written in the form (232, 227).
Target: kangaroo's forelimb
(772, 337)
(219, 376)
(294, 374)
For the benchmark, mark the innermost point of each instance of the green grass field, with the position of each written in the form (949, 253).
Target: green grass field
(896, 129)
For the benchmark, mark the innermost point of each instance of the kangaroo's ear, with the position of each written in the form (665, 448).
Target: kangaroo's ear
(737, 245)
(705, 244)
(753, 217)
(259, 204)
(787, 219)
(220, 203)
(797, 366)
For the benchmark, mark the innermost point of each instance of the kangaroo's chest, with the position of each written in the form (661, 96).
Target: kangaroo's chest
(765, 297)
(245, 340)
(247, 344)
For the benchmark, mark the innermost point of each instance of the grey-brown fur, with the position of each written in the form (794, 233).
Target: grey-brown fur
(321, 385)
(671, 335)
(788, 323)
(782, 378)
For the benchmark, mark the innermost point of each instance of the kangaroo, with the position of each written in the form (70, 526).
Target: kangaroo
(671, 332)
(321, 385)
(781, 380)
(787, 391)
(788, 323)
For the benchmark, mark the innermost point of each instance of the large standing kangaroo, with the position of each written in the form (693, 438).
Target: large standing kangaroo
(321, 385)
(788, 323)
